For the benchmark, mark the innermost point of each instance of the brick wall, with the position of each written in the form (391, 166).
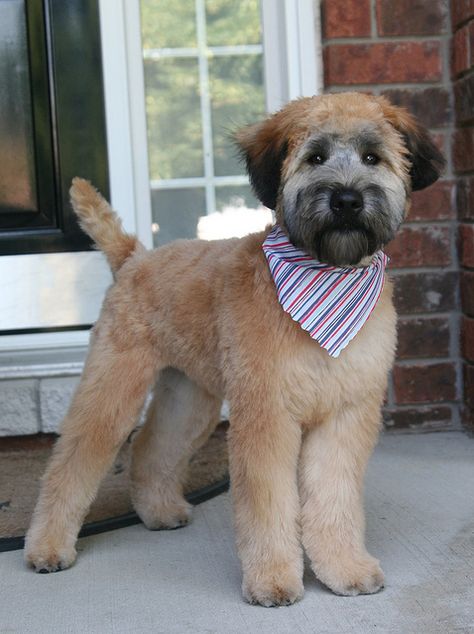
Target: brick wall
(401, 49)
(463, 163)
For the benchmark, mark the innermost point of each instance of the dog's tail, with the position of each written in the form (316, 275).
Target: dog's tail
(101, 223)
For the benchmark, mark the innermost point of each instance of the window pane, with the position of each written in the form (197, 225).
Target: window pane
(176, 212)
(195, 99)
(168, 23)
(236, 196)
(174, 118)
(17, 173)
(237, 98)
(233, 22)
(239, 213)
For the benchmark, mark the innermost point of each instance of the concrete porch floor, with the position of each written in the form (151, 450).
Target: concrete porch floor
(420, 524)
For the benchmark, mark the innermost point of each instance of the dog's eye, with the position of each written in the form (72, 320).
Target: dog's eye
(317, 159)
(370, 159)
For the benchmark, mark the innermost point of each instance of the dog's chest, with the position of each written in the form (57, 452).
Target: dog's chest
(317, 384)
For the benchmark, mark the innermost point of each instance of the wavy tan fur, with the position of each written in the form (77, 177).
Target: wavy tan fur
(102, 224)
(202, 321)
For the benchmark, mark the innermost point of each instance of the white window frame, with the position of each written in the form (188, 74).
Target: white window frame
(292, 59)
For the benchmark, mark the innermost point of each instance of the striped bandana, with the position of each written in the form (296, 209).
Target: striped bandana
(331, 303)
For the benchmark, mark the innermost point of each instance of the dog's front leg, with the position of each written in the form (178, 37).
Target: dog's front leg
(333, 461)
(263, 453)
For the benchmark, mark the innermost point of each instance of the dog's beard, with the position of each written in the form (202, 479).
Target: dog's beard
(344, 246)
(313, 227)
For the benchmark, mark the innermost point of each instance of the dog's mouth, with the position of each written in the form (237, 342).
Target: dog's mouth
(345, 245)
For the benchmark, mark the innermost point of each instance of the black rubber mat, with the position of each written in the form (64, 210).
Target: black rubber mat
(112, 523)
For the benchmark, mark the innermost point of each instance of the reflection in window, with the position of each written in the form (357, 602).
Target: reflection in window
(203, 62)
(17, 174)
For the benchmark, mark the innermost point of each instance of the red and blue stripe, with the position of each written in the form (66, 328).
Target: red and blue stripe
(331, 303)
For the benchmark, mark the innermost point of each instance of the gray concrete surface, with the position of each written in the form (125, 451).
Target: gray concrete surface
(420, 523)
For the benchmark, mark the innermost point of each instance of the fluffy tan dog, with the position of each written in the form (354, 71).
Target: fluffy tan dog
(202, 320)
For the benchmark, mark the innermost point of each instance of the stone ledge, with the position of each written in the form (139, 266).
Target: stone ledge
(19, 412)
(55, 396)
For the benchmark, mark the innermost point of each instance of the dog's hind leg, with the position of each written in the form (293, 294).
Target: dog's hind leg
(179, 420)
(333, 461)
(103, 412)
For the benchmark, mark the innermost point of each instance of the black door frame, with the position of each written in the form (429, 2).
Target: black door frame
(69, 125)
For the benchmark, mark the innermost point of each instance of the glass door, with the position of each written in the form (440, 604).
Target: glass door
(52, 128)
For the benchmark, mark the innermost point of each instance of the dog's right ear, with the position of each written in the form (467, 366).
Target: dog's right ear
(264, 147)
(427, 162)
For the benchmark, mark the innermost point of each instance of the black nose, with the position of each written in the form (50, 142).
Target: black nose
(346, 202)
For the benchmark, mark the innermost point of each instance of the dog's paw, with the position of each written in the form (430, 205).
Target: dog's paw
(164, 517)
(361, 576)
(272, 593)
(49, 559)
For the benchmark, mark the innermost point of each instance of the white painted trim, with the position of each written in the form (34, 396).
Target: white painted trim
(292, 50)
(211, 51)
(126, 115)
(43, 355)
(138, 123)
(309, 53)
(198, 181)
(117, 110)
(318, 40)
(44, 341)
(206, 116)
(274, 54)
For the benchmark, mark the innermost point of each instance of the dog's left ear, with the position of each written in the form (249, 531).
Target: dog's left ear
(264, 147)
(427, 162)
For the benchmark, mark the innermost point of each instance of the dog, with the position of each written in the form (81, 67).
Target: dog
(202, 322)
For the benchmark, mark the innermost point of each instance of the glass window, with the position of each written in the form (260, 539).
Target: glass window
(176, 213)
(203, 63)
(236, 86)
(174, 124)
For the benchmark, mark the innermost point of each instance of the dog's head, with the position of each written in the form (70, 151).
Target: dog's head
(339, 170)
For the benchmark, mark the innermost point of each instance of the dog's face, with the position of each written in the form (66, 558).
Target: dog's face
(338, 170)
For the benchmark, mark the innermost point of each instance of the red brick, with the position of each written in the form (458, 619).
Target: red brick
(464, 97)
(421, 246)
(467, 418)
(350, 18)
(468, 380)
(466, 245)
(411, 17)
(423, 337)
(463, 150)
(467, 338)
(467, 292)
(433, 203)
(386, 62)
(430, 105)
(471, 43)
(465, 198)
(460, 60)
(439, 139)
(461, 11)
(436, 417)
(425, 292)
(424, 383)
